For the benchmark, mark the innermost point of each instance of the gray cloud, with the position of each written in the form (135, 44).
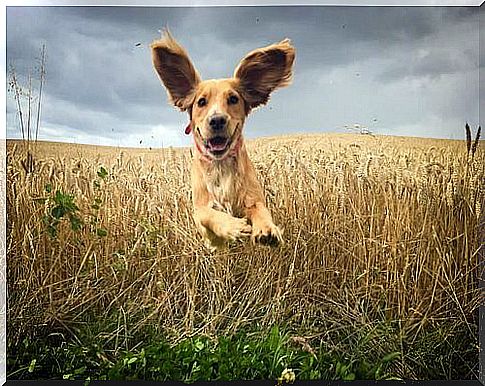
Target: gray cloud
(424, 64)
(482, 62)
(404, 65)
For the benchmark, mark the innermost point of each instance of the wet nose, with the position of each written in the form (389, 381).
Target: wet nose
(217, 122)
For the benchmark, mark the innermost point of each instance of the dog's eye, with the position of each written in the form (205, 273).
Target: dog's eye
(233, 100)
(201, 102)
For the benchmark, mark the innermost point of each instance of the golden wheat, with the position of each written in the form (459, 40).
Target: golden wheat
(372, 224)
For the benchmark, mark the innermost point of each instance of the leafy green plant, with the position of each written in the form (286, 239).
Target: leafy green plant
(61, 206)
(96, 205)
(247, 355)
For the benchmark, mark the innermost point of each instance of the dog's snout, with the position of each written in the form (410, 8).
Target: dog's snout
(217, 122)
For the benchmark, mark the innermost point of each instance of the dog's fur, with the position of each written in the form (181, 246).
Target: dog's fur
(228, 199)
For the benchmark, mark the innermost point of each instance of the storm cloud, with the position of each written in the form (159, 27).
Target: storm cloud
(399, 70)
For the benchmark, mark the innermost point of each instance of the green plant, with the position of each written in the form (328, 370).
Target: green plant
(96, 205)
(60, 206)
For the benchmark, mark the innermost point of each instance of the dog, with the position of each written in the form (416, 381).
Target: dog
(228, 199)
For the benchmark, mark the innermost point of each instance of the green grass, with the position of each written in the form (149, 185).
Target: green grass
(256, 353)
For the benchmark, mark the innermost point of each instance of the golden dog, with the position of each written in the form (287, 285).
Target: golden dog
(228, 199)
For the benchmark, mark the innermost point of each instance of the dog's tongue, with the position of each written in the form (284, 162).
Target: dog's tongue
(217, 143)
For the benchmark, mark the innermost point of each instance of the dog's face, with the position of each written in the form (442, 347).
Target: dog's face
(218, 114)
(218, 108)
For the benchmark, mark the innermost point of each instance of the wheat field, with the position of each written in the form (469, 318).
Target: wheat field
(374, 227)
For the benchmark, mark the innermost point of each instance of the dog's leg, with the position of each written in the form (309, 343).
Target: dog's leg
(215, 226)
(218, 227)
(264, 230)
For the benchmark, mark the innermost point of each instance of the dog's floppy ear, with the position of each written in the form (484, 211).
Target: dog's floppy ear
(175, 70)
(263, 70)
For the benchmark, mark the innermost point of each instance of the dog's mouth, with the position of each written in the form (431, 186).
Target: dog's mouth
(218, 146)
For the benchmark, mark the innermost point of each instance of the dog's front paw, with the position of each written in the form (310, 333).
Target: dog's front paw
(267, 234)
(235, 228)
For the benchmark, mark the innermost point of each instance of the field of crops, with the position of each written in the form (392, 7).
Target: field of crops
(381, 248)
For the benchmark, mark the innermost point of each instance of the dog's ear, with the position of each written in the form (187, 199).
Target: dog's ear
(175, 70)
(263, 70)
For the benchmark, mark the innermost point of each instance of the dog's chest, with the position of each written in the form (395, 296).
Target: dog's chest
(223, 185)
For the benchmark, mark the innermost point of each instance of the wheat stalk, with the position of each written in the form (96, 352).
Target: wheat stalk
(349, 242)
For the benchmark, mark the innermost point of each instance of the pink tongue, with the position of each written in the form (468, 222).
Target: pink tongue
(217, 145)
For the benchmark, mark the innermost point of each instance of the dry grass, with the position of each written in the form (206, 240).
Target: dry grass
(373, 226)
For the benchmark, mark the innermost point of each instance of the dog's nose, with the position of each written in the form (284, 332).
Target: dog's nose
(217, 122)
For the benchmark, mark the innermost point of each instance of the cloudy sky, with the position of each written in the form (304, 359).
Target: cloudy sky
(398, 70)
